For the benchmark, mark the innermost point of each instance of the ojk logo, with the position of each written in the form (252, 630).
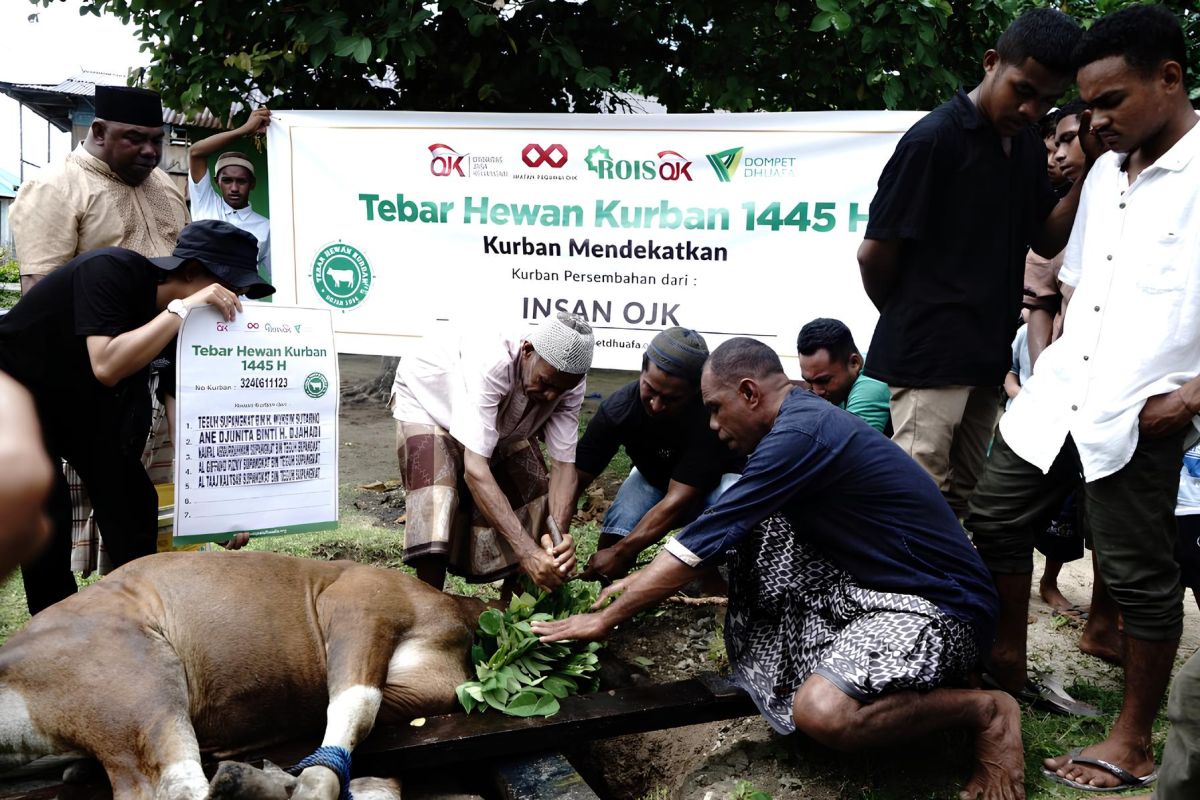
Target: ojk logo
(444, 162)
(341, 275)
(554, 156)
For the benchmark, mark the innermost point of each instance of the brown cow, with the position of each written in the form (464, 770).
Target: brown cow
(182, 652)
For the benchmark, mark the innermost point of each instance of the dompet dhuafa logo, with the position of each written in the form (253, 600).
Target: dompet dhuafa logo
(341, 275)
(725, 163)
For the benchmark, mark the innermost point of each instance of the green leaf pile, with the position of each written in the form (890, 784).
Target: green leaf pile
(518, 675)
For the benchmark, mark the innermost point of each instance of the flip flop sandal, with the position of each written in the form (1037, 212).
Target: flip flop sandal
(1046, 693)
(1076, 614)
(1127, 779)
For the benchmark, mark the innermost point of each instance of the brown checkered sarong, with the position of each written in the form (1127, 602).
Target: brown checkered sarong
(442, 518)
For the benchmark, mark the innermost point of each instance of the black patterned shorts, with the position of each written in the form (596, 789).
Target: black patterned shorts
(793, 614)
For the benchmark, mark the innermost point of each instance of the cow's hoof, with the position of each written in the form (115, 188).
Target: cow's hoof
(375, 788)
(237, 781)
(317, 783)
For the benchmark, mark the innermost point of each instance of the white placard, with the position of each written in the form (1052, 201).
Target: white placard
(406, 224)
(256, 423)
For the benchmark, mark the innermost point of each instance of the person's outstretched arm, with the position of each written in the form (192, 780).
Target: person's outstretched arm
(198, 153)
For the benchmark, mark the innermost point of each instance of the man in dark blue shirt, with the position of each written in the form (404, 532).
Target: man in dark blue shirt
(855, 596)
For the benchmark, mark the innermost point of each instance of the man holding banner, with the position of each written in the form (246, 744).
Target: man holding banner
(468, 417)
(81, 342)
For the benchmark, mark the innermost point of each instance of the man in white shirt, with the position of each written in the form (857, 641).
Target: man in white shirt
(235, 179)
(469, 415)
(1115, 397)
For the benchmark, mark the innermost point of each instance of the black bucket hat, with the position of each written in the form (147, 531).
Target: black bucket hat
(226, 251)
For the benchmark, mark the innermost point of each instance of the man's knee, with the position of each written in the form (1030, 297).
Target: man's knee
(634, 499)
(825, 713)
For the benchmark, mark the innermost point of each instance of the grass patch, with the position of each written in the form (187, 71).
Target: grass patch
(8, 298)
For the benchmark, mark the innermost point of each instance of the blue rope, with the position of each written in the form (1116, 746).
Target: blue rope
(336, 759)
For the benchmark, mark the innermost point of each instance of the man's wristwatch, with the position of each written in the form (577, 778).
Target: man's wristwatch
(177, 308)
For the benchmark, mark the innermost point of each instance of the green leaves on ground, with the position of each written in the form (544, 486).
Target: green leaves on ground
(518, 675)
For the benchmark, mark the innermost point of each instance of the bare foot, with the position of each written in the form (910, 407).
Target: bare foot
(1057, 600)
(1134, 760)
(999, 757)
(1105, 646)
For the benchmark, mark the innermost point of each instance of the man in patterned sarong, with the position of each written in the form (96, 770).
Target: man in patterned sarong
(469, 415)
(857, 605)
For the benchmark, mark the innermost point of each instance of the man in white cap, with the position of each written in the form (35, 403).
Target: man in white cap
(108, 193)
(235, 179)
(469, 414)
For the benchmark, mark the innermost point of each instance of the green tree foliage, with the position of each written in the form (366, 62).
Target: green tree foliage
(1087, 11)
(581, 55)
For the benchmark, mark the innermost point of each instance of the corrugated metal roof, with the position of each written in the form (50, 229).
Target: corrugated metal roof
(84, 84)
(8, 184)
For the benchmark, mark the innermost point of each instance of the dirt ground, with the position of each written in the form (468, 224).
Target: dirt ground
(706, 762)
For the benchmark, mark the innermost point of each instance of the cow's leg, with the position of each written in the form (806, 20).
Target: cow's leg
(359, 642)
(155, 757)
(129, 709)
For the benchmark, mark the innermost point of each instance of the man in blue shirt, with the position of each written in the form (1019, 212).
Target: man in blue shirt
(855, 596)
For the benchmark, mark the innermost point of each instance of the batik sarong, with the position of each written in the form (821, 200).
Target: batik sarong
(793, 613)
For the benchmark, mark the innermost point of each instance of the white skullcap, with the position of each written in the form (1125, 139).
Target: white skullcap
(565, 343)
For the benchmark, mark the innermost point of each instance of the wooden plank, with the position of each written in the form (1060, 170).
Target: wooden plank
(547, 776)
(469, 737)
(460, 737)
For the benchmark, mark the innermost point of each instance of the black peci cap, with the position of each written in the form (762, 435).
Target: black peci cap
(130, 105)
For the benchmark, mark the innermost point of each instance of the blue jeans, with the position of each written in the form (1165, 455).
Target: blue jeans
(637, 496)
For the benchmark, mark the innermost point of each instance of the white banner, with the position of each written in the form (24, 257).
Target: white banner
(405, 224)
(256, 410)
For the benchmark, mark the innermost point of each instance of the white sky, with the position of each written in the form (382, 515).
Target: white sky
(59, 45)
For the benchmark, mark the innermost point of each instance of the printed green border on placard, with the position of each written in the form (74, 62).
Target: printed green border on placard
(278, 530)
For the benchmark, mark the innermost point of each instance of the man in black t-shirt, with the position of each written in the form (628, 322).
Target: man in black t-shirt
(680, 466)
(963, 197)
(81, 342)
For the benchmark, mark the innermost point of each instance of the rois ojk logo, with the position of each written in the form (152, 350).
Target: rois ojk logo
(315, 385)
(671, 166)
(341, 275)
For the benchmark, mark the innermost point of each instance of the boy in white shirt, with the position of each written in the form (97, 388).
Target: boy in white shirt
(235, 179)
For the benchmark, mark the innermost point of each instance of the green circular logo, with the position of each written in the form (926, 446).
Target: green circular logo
(341, 275)
(315, 385)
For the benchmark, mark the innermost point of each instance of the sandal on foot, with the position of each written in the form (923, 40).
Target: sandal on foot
(1074, 614)
(1127, 779)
